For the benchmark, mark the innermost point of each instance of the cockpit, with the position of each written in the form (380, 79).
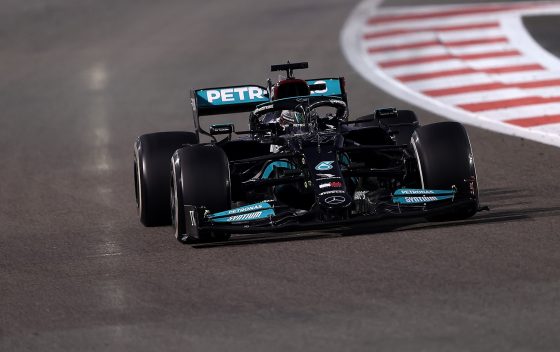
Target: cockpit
(300, 115)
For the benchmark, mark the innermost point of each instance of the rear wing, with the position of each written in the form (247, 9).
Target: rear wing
(227, 100)
(235, 99)
(334, 87)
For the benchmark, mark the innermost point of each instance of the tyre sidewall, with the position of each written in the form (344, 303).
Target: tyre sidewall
(152, 153)
(445, 160)
(202, 179)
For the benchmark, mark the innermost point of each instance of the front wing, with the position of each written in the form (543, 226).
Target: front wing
(267, 217)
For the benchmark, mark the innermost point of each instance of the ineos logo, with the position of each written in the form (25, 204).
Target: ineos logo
(334, 200)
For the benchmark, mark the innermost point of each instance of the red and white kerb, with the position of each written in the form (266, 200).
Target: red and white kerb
(474, 63)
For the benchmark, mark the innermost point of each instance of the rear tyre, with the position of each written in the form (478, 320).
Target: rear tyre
(445, 160)
(199, 177)
(152, 153)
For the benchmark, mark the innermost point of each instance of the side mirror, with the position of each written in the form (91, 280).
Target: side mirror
(227, 128)
(385, 113)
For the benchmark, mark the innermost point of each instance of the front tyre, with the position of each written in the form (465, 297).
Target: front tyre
(445, 160)
(152, 153)
(199, 177)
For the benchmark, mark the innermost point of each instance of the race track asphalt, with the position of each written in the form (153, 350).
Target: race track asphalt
(81, 79)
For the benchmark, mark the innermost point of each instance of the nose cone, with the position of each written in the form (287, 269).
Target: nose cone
(335, 199)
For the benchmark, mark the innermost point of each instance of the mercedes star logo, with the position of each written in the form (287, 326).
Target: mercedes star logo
(334, 200)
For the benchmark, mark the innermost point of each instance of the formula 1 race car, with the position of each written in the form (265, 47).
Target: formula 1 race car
(301, 165)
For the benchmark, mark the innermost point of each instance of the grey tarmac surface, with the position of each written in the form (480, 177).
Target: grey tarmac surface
(81, 79)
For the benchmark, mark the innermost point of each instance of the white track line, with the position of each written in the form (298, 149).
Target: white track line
(502, 61)
(524, 111)
(440, 83)
(410, 38)
(483, 96)
(470, 34)
(552, 129)
(426, 68)
(405, 54)
(426, 40)
(421, 24)
(479, 49)
(526, 76)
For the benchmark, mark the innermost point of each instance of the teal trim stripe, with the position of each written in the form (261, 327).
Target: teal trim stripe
(244, 209)
(422, 192)
(270, 167)
(256, 215)
(249, 212)
(420, 199)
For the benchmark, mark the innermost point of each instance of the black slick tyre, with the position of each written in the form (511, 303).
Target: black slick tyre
(152, 153)
(200, 177)
(445, 160)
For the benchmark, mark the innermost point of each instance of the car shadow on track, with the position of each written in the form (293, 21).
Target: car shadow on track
(501, 194)
(492, 197)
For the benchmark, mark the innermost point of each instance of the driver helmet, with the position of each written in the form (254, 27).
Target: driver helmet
(291, 87)
(289, 117)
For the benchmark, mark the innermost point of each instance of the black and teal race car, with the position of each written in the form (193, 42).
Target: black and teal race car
(302, 164)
